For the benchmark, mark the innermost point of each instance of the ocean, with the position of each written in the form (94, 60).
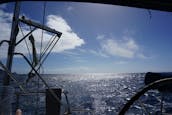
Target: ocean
(94, 94)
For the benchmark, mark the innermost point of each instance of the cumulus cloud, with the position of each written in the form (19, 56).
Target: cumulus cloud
(115, 48)
(69, 39)
(124, 47)
(100, 37)
(98, 53)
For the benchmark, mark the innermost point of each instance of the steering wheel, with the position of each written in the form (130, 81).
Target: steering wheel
(154, 85)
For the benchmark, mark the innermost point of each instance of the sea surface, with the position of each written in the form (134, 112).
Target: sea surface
(93, 94)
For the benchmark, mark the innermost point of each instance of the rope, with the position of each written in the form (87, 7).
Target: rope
(42, 36)
(37, 100)
(50, 50)
(43, 21)
(45, 83)
(48, 46)
(41, 63)
(25, 42)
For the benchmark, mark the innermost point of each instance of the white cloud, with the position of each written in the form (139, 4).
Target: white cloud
(131, 44)
(82, 50)
(142, 56)
(70, 53)
(69, 39)
(100, 37)
(124, 47)
(98, 53)
(92, 52)
(115, 48)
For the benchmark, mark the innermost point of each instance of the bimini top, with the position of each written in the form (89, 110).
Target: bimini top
(163, 5)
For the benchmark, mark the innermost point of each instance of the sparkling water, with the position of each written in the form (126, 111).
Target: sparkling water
(99, 94)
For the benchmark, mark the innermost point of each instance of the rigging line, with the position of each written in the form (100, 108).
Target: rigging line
(39, 62)
(45, 83)
(48, 46)
(48, 53)
(25, 42)
(25, 36)
(42, 35)
(42, 69)
(45, 50)
(50, 50)
(37, 100)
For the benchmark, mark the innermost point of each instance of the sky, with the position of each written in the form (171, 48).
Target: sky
(96, 38)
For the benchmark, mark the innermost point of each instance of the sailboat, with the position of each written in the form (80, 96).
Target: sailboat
(53, 96)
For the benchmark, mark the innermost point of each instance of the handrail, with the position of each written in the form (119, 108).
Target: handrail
(4, 41)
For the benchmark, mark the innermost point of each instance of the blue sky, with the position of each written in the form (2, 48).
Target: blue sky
(97, 38)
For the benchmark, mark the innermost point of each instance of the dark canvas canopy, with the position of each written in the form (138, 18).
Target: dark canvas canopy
(163, 5)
